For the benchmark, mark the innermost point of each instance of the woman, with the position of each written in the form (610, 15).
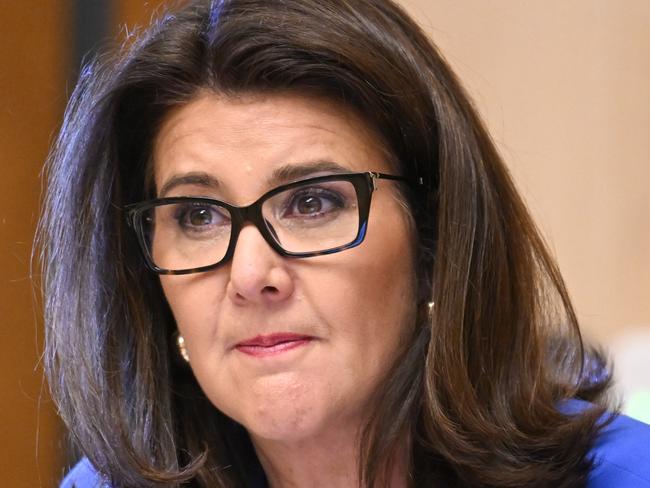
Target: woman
(280, 249)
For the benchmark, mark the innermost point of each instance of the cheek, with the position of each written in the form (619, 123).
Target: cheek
(389, 288)
(194, 300)
(371, 291)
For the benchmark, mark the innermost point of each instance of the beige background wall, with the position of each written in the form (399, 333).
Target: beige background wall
(564, 87)
(565, 90)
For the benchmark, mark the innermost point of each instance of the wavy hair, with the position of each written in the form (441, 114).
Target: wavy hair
(478, 395)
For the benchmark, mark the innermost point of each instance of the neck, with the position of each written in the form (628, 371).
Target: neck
(330, 460)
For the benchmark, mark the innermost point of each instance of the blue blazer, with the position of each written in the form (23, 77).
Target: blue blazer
(621, 458)
(622, 455)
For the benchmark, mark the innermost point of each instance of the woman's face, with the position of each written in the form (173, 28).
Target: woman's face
(344, 315)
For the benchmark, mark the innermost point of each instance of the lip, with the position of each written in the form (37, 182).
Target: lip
(272, 344)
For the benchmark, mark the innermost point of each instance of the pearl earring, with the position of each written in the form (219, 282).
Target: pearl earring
(180, 342)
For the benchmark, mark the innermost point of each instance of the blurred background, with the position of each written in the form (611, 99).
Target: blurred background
(563, 86)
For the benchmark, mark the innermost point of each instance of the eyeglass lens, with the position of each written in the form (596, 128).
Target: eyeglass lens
(308, 218)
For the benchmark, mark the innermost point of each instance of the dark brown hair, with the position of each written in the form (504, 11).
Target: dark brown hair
(482, 394)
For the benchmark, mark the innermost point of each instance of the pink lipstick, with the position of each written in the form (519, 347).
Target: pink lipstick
(268, 345)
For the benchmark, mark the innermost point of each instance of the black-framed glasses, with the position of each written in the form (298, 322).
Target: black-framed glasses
(311, 217)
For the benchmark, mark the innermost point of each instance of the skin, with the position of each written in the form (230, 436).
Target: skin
(304, 407)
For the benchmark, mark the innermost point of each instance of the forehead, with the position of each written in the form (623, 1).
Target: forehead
(241, 142)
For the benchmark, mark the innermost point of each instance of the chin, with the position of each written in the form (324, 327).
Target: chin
(288, 411)
(290, 422)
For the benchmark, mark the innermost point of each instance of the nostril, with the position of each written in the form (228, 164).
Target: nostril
(272, 290)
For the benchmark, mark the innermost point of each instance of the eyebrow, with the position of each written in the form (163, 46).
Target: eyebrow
(293, 172)
(195, 178)
(279, 176)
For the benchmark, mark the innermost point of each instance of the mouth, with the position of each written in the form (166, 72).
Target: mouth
(272, 344)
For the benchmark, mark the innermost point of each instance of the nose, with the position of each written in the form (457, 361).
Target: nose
(257, 273)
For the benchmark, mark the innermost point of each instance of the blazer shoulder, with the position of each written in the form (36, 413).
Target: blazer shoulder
(84, 475)
(621, 455)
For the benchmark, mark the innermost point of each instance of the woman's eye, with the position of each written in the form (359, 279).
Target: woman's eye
(200, 218)
(313, 203)
(309, 205)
